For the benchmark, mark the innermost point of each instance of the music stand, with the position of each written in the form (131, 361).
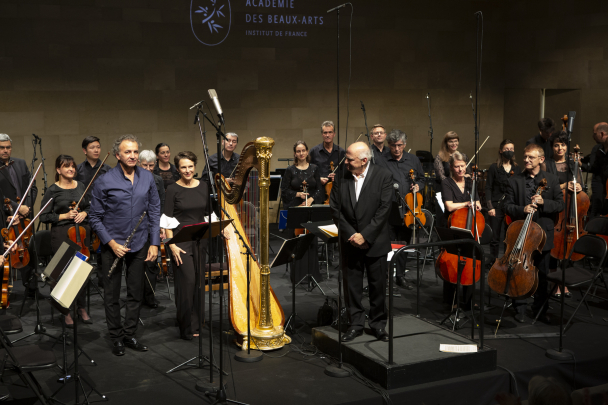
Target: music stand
(291, 250)
(313, 227)
(461, 251)
(195, 233)
(298, 217)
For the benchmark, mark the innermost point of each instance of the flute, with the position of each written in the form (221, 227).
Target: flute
(126, 243)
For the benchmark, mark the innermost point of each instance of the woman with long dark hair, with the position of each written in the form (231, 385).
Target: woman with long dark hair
(61, 216)
(497, 183)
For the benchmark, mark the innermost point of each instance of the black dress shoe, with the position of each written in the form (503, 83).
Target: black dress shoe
(520, 317)
(402, 282)
(351, 335)
(381, 335)
(185, 336)
(85, 321)
(152, 305)
(132, 343)
(544, 318)
(118, 349)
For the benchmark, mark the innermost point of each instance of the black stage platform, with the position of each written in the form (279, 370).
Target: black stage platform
(295, 374)
(417, 359)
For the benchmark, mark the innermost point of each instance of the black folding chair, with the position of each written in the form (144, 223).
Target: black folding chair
(24, 361)
(594, 248)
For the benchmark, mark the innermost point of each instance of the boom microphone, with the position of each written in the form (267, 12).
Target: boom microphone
(396, 187)
(218, 107)
(571, 116)
(335, 8)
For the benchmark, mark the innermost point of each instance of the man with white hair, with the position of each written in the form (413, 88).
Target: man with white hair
(147, 160)
(360, 202)
(13, 183)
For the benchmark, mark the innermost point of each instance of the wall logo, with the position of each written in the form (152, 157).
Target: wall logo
(210, 20)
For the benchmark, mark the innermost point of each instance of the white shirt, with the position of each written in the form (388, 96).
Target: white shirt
(359, 181)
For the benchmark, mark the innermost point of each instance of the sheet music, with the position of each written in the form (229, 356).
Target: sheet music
(458, 348)
(440, 201)
(329, 230)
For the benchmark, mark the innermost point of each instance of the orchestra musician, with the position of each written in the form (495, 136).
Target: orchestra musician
(61, 216)
(186, 201)
(164, 168)
(399, 163)
(118, 201)
(322, 154)
(14, 180)
(599, 163)
(378, 147)
(147, 161)
(520, 200)
(496, 185)
(292, 194)
(546, 128)
(449, 145)
(231, 159)
(360, 208)
(456, 194)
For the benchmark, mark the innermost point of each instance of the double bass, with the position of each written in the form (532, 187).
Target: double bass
(514, 275)
(446, 265)
(569, 224)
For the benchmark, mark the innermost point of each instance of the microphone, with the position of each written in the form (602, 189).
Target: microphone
(396, 187)
(335, 8)
(428, 95)
(362, 106)
(218, 107)
(571, 116)
(36, 137)
(197, 104)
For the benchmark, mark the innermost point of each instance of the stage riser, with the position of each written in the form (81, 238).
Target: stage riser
(369, 356)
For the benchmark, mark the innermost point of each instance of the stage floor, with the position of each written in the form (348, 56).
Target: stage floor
(295, 374)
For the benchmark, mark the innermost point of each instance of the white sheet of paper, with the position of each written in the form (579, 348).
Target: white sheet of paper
(440, 201)
(331, 230)
(458, 348)
(168, 222)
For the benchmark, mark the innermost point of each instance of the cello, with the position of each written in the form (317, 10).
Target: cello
(569, 223)
(514, 275)
(446, 265)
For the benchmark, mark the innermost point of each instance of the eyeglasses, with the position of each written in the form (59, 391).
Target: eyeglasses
(378, 133)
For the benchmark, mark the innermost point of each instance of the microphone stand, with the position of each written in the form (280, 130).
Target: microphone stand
(428, 99)
(339, 371)
(367, 133)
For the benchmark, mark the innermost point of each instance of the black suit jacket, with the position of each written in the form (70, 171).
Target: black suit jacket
(369, 215)
(515, 201)
(23, 175)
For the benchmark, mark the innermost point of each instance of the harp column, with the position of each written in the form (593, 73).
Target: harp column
(267, 336)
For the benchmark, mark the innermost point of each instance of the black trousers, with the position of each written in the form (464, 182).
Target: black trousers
(598, 196)
(59, 234)
(404, 234)
(151, 272)
(354, 262)
(497, 223)
(189, 316)
(135, 289)
(542, 263)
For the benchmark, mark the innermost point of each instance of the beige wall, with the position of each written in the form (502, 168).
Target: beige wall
(69, 69)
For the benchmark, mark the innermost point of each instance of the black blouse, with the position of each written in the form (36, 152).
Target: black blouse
(62, 199)
(451, 192)
(292, 184)
(169, 176)
(497, 183)
(562, 170)
(187, 205)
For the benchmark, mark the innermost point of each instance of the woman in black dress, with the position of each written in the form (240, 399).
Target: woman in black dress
(292, 194)
(563, 168)
(456, 194)
(186, 201)
(164, 168)
(496, 185)
(59, 214)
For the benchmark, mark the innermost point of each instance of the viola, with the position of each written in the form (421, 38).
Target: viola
(514, 274)
(446, 265)
(569, 224)
(21, 257)
(303, 231)
(414, 200)
(78, 234)
(329, 184)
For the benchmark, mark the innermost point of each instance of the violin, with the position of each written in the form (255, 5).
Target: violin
(569, 223)
(303, 231)
(414, 200)
(78, 234)
(329, 184)
(446, 265)
(21, 257)
(514, 274)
